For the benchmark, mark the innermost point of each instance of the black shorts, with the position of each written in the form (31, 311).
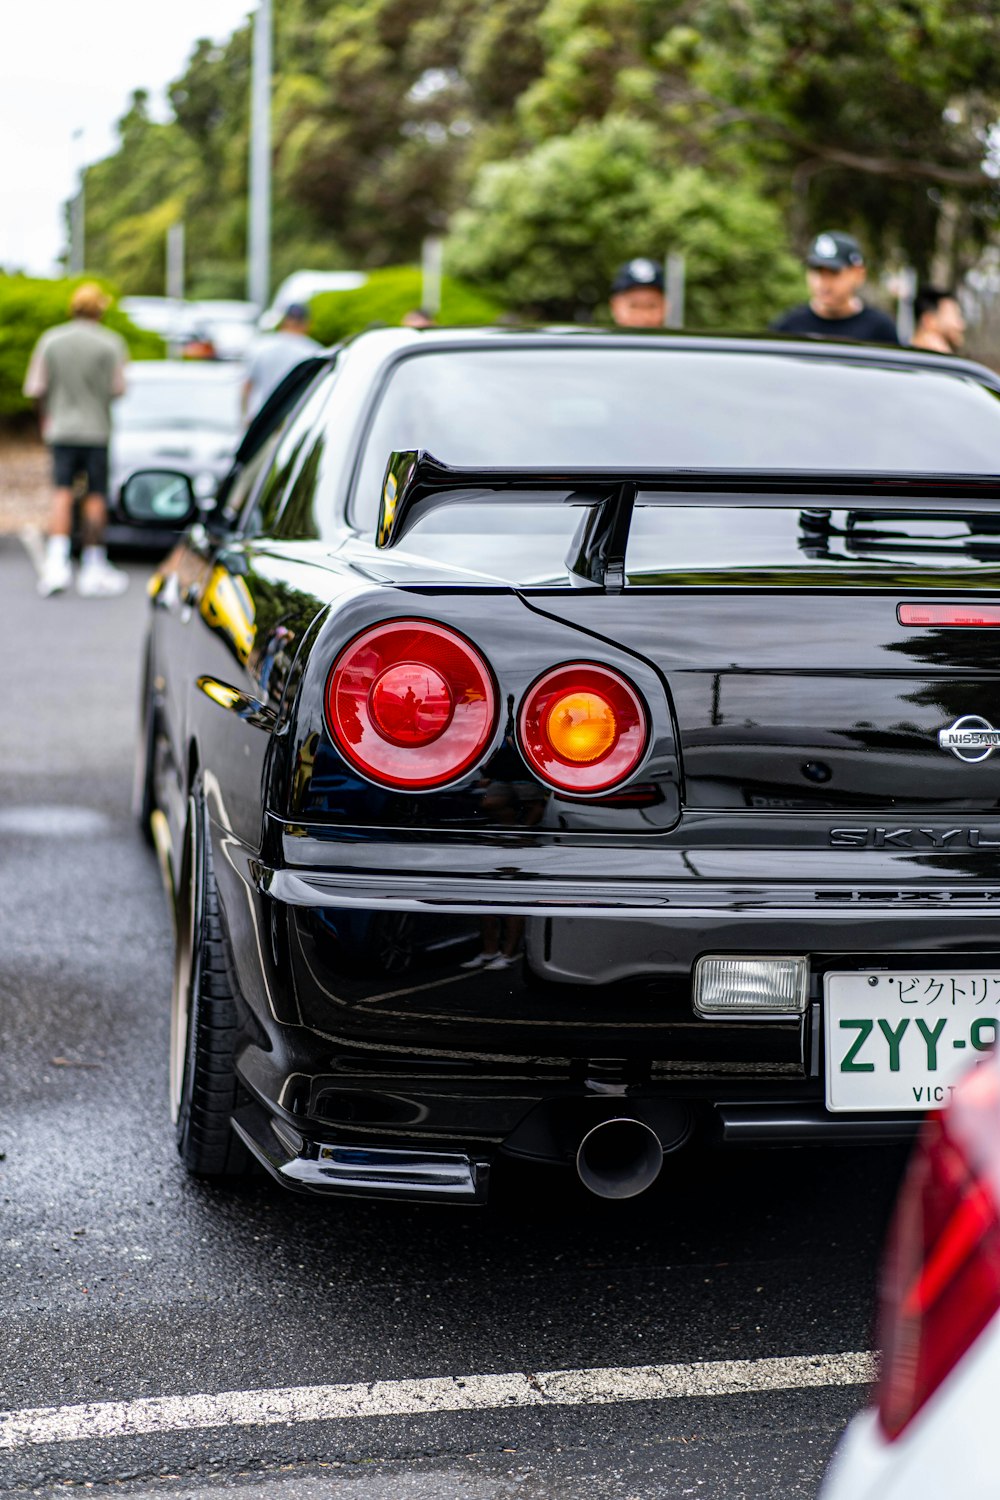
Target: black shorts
(71, 459)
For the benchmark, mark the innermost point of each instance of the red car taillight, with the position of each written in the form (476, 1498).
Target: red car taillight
(969, 616)
(411, 704)
(582, 728)
(941, 1283)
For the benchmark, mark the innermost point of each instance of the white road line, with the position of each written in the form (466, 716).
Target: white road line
(407, 1398)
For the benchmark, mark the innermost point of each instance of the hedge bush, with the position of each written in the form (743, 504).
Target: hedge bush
(29, 305)
(386, 296)
(545, 232)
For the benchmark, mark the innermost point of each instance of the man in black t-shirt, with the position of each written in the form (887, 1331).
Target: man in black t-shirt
(836, 274)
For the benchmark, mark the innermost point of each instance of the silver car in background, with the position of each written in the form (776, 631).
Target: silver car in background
(230, 325)
(178, 415)
(170, 317)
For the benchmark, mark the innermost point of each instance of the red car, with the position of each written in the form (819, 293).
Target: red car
(930, 1430)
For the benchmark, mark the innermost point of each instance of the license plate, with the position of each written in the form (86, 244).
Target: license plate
(900, 1040)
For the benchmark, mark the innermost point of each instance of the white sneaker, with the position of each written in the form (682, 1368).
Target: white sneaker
(56, 575)
(481, 961)
(501, 961)
(99, 580)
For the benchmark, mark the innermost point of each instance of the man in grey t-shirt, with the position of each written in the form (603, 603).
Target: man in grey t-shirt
(274, 354)
(75, 373)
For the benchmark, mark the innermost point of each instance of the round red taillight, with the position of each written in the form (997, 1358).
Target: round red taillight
(411, 704)
(583, 728)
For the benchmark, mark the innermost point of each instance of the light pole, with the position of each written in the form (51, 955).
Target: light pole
(432, 256)
(906, 291)
(259, 216)
(175, 285)
(77, 206)
(676, 281)
(175, 261)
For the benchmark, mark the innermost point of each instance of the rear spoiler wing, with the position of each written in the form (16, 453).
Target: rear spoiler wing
(416, 484)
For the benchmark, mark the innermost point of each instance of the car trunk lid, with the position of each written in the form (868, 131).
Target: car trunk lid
(794, 683)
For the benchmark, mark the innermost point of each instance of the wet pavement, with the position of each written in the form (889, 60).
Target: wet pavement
(121, 1279)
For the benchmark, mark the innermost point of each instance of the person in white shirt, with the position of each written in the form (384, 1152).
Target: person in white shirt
(272, 356)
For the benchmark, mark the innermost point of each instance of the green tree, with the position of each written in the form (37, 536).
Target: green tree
(371, 122)
(386, 296)
(392, 115)
(874, 115)
(871, 114)
(546, 232)
(134, 195)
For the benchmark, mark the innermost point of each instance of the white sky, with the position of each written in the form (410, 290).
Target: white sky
(69, 65)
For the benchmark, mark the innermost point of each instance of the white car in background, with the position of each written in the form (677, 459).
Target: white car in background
(231, 325)
(180, 415)
(228, 323)
(929, 1434)
(302, 286)
(170, 317)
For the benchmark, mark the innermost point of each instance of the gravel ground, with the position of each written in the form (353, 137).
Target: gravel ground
(24, 483)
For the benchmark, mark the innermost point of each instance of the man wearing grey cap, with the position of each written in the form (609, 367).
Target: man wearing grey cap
(638, 298)
(272, 355)
(836, 273)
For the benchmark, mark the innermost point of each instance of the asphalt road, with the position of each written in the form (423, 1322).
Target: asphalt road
(123, 1280)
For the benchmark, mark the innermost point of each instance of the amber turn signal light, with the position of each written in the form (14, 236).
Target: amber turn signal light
(583, 728)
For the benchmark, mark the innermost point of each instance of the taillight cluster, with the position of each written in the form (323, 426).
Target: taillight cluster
(582, 728)
(941, 1284)
(413, 704)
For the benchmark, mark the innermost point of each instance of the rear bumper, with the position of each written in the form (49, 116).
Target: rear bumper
(806, 1124)
(474, 892)
(349, 1164)
(381, 1061)
(331, 1168)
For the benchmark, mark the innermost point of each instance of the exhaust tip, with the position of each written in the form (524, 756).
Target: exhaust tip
(619, 1158)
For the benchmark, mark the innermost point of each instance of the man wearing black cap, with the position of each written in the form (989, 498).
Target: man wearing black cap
(836, 274)
(638, 299)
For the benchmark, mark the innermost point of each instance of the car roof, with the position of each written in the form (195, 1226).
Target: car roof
(150, 300)
(222, 372)
(225, 308)
(385, 342)
(319, 281)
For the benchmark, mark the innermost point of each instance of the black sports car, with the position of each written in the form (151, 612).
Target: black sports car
(562, 744)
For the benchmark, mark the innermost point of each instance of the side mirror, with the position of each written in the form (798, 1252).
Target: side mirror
(159, 498)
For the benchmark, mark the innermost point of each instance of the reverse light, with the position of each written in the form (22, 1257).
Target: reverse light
(411, 704)
(730, 985)
(582, 728)
(941, 1279)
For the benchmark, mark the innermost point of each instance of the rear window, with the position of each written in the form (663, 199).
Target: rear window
(179, 402)
(697, 544)
(671, 408)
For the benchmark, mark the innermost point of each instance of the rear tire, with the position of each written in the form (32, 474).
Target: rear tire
(203, 1022)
